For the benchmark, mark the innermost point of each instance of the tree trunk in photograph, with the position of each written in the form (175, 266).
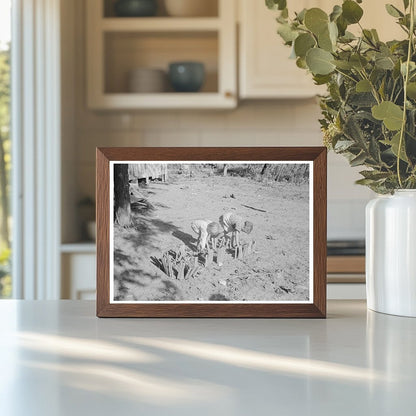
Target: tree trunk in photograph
(4, 199)
(224, 172)
(122, 195)
(279, 173)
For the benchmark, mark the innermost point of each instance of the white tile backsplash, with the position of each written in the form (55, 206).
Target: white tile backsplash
(346, 219)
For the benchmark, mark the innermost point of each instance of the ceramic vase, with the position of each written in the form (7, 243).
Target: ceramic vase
(391, 253)
(186, 76)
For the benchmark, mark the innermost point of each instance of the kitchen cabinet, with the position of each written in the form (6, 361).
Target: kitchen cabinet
(78, 263)
(118, 45)
(265, 69)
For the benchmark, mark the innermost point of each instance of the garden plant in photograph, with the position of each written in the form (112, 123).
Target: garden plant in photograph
(211, 232)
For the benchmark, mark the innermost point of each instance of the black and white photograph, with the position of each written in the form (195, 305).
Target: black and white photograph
(211, 232)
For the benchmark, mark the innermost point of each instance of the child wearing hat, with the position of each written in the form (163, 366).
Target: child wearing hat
(234, 224)
(205, 229)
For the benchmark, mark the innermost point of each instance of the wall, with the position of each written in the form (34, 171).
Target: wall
(254, 123)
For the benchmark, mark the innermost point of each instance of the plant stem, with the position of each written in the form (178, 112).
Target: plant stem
(373, 88)
(406, 80)
(346, 75)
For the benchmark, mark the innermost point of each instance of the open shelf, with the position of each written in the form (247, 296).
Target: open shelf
(160, 24)
(87, 247)
(126, 51)
(168, 100)
(119, 45)
(210, 7)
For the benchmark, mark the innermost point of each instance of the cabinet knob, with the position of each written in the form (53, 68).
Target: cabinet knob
(229, 94)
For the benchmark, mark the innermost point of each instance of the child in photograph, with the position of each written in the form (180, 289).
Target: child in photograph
(234, 224)
(206, 229)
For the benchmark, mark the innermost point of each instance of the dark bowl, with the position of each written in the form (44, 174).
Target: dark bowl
(135, 8)
(187, 76)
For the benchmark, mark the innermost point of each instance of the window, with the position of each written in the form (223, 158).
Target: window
(5, 147)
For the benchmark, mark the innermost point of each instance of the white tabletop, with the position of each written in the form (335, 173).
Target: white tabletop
(57, 358)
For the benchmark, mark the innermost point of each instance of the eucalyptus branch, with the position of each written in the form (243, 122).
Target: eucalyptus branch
(398, 95)
(385, 94)
(346, 75)
(373, 88)
(392, 91)
(406, 80)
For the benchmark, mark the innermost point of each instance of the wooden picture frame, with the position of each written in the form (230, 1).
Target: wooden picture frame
(315, 157)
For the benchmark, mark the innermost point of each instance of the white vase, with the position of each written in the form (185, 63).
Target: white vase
(391, 253)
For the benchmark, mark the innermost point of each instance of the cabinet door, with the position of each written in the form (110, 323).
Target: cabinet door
(376, 17)
(78, 276)
(265, 68)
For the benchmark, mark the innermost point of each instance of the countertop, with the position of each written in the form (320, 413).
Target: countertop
(57, 358)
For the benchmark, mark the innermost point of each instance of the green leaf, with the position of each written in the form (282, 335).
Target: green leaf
(375, 35)
(351, 11)
(368, 36)
(382, 89)
(336, 12)
(276, 4)
(411, 90)
(316, 20)
(363, 86)
(301, 63)
(412, 67)
(321, 79)
(394, 145)
(287, 33)
(406, 4)
(301, 15)
(303, 43)
(405, 21)
(347, 37)
(354, 132)
(365, 182)
(343, 145)
(333, 32)
(374, 175)
(374, 150)
(358, 61)
(362, 99)
(325, 42)
(393, 11)
(358, 160)
(384, 62)
(342, 25)
(344, 65)
(388, 112)
(319, 61)
(282, 20)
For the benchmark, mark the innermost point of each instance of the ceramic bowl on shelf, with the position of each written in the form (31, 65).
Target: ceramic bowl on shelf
(135, 8)
(186, 76)
(191, 8)
(147, 81)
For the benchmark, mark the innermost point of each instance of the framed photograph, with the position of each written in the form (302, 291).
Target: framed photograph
(211, 232)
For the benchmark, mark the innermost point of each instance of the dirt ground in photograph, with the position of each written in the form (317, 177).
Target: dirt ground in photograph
(278, 269)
